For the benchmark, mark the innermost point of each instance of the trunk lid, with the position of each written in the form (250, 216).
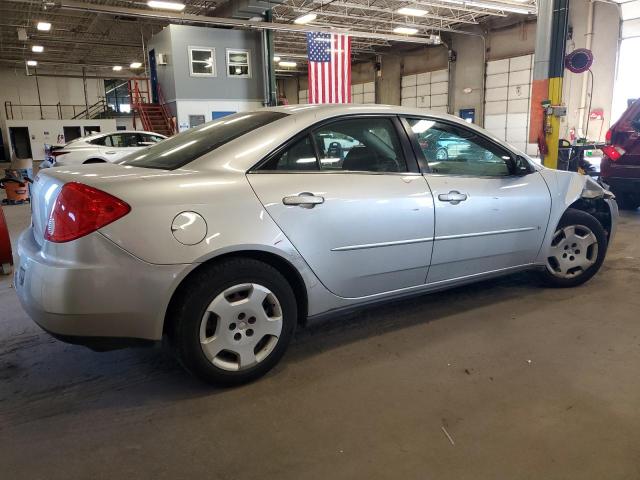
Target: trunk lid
(114, 179)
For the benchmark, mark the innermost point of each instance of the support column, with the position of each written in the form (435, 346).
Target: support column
(269, 73)
(548, 72)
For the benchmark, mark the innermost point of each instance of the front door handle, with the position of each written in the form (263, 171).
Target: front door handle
(453, 197)
(304, 200)
(110, 152)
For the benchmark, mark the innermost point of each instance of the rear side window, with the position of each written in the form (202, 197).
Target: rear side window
(177, 151)
(356, 144)
(97, 141)
(299, 156)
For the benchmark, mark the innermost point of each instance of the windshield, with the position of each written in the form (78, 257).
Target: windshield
(185, 147)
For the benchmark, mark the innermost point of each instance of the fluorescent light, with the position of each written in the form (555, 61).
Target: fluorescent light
(405, 30)
(422, 126)
(135, 65)
(414, 12)
(309, 17)
(276, 58)
(32, 63)
(287, 64)
(117, 68)
(166, 5)
(37, 48)
(43, 26)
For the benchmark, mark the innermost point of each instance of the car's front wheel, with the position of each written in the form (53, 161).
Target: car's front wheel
(233, 321)
(577, 250)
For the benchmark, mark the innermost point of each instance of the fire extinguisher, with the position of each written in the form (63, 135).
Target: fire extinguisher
(6, 256)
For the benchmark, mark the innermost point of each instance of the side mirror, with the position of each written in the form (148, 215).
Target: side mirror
(521, 166)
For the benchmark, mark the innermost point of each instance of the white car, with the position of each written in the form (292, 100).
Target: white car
(104, 147)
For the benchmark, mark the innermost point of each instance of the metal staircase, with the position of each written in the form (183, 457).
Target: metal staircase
(155, 117)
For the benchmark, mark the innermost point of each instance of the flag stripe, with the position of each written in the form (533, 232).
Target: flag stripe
(329, 69)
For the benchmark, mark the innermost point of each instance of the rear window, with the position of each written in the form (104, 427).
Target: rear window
(177, 151)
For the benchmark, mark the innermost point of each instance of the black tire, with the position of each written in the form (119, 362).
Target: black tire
(93, 160)
(578, 218)
(198, 292)
(445, 154)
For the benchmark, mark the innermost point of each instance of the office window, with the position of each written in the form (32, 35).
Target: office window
(238, 63)
(202, 62)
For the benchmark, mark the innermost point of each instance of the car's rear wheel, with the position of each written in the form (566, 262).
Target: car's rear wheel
(577, 250)
(233, 321)
(94, 160)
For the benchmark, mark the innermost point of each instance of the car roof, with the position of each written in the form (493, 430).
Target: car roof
(102, 134)
(322, 111)
(242, 153)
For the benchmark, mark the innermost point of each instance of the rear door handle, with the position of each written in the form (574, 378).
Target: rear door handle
(111, 152)
(453, 197)
(304, 200)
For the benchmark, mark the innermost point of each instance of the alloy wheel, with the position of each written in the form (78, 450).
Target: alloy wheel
(573, 250)
(241, 327)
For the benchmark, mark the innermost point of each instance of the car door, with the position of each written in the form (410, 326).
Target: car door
(363, 221)
(491, 207)
(119, 145)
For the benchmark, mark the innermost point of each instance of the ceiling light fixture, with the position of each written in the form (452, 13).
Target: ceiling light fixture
(117, 68)
(37, 48)
(413, 12)
(405, 30)
(276, 58)
(178, 7)
(304, 19)
(43, 26)
(32, 63)
(135, 65)
(287, 64)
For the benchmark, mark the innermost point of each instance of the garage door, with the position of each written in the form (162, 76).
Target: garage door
(360, 93)
(507, 101)
(426, 90)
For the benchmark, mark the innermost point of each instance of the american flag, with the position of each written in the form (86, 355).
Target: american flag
(329, 67)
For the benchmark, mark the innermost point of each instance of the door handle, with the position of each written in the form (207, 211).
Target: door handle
(111, 152)
(304, 200)
(453, 197)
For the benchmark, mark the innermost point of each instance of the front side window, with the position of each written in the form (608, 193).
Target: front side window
(453, 150)
(238, 63)
(145, 139)
(187, 146)
(202, 62)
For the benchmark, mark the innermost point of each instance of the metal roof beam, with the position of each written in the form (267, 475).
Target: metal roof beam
(229, 22)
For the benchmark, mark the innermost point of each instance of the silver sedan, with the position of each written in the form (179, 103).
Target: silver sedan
(228, 236)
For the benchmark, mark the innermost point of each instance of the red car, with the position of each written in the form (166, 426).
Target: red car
(620, 167)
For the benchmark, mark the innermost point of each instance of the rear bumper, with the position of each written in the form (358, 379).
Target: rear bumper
(623, 184)
(103, 293)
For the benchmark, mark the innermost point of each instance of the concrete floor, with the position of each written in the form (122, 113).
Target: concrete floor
(528, 382)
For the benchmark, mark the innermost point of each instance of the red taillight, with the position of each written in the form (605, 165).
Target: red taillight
(80, 210)
(607, 137)
(613, 152)
(57, 153)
